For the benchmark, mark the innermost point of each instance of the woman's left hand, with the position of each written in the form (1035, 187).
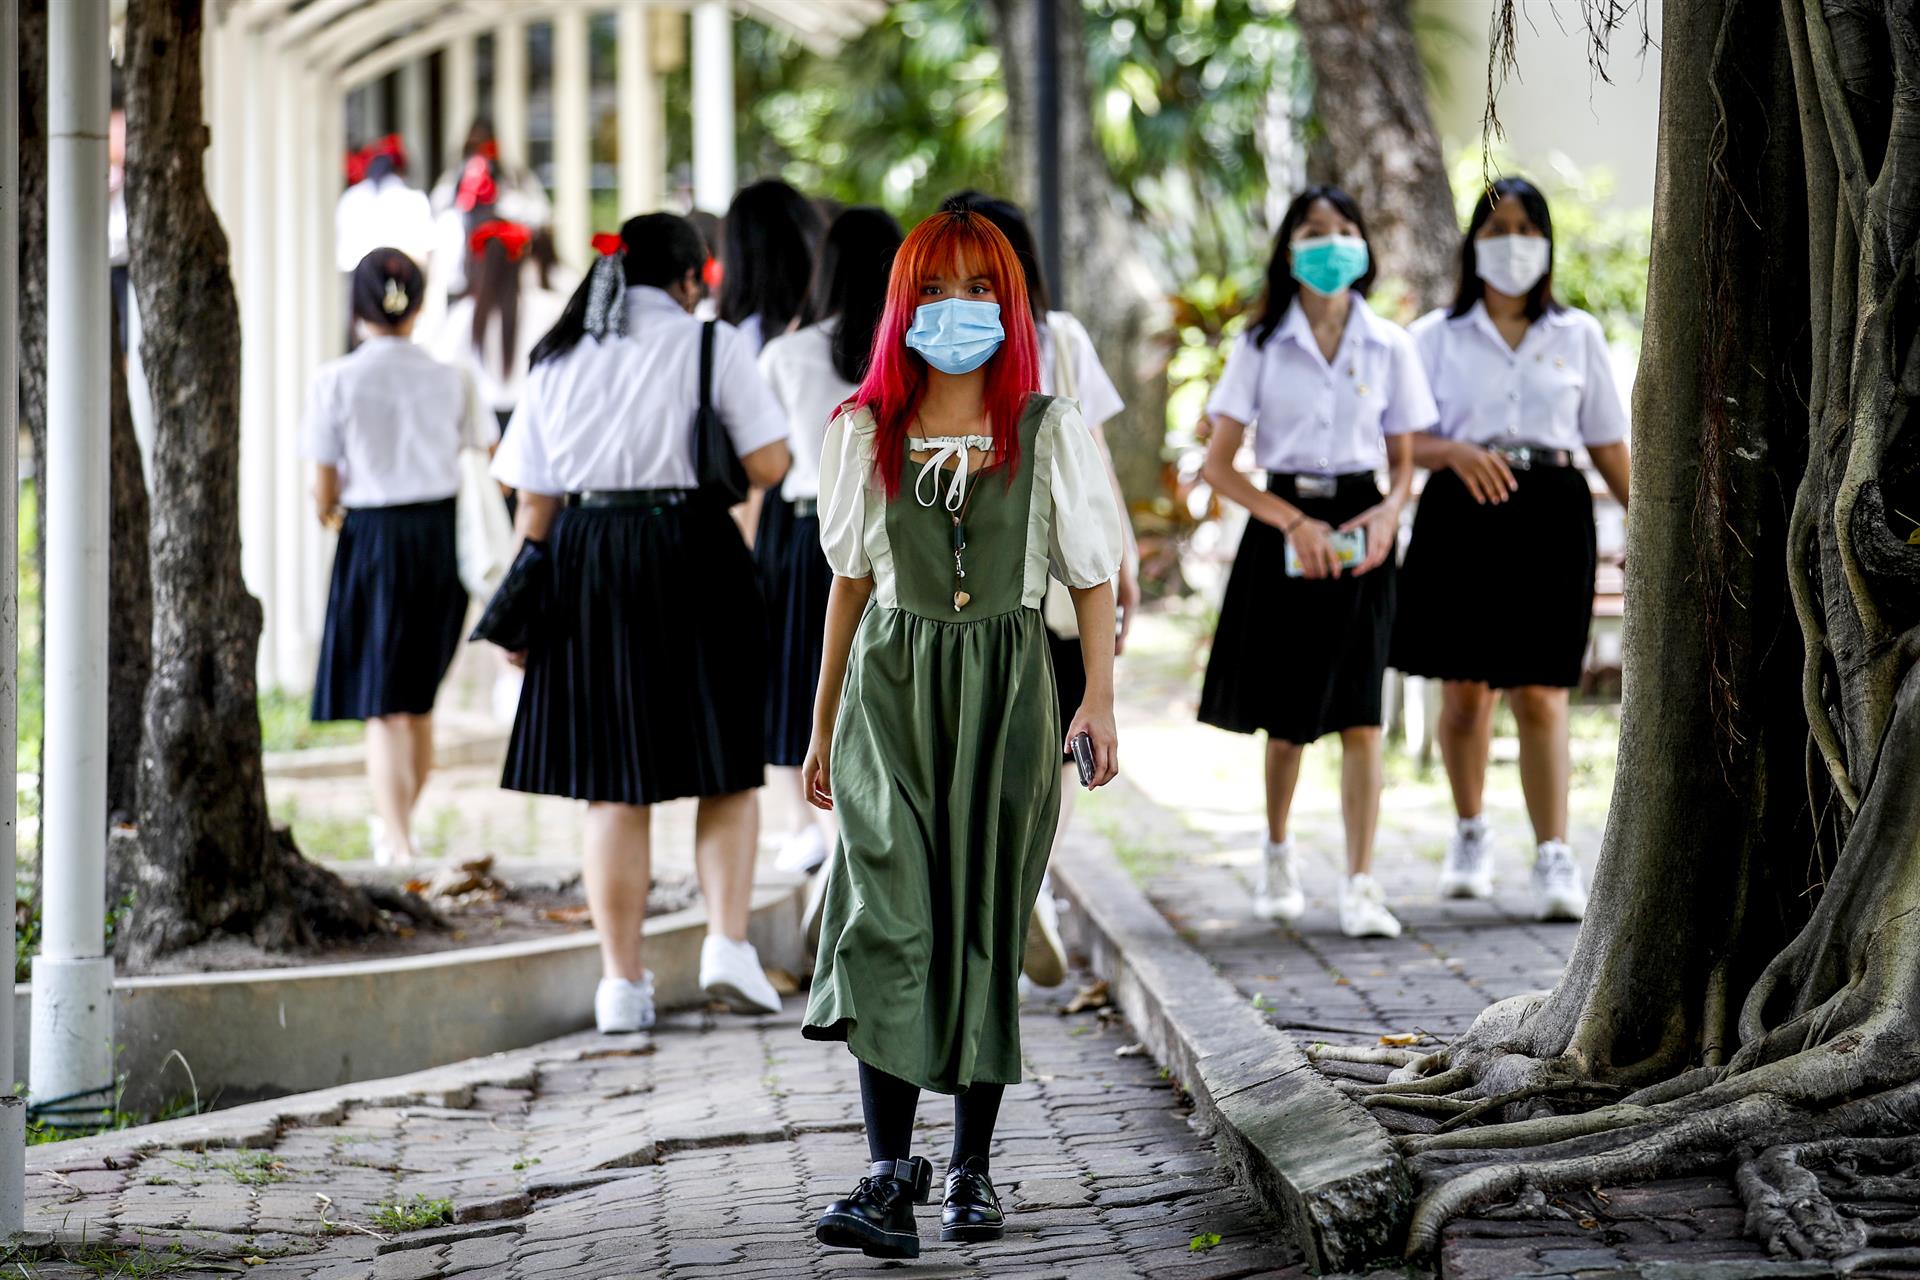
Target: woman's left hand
(1382, 524)
(1098, 725)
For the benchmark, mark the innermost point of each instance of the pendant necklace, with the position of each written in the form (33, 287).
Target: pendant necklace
(961, 597)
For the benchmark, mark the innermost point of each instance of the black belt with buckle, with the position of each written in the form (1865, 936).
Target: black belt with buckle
(631, 497)
(1528, 456)
(804, 507)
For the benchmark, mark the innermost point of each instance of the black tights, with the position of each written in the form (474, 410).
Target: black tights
(889, 1103)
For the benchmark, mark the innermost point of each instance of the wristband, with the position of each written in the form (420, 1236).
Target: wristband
(1299, 517)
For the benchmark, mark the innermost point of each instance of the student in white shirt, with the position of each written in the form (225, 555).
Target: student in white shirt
(1069, 368)
(771, 233)
(380, 210)
(648, 680)
(1333, 393)
(1497, 592)
(385, 426)
(812, 372)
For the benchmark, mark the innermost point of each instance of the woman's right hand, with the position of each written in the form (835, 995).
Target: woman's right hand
(1310, 545)
(816, 775)
(1485, 473)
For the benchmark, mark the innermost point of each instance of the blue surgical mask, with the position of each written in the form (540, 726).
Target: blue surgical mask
(957, 335)
(1329, 265)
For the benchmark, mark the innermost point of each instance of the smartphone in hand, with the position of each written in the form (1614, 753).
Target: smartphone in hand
(1082, 747)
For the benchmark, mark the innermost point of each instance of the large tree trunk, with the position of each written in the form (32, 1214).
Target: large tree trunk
(1377, 141)
(1107, 283)
(208, 858)
(129, 594)
(1771, 730)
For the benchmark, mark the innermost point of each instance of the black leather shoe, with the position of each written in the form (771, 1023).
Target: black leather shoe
(877, 1218)
(971, 1211)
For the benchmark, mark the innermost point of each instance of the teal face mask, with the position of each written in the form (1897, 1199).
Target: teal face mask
(1329, 265)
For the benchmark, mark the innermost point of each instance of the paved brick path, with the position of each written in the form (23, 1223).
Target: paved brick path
(709, 1156)
(1188, 821)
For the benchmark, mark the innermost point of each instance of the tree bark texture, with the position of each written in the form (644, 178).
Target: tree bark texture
(1106, 282)
(1750, 966)
(1376, 140)
(129, 592)
(208, 858)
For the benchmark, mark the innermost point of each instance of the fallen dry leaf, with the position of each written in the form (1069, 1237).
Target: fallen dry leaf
(1401, 1040)
(1135, 1050)
(1092, 996)
(568, 915)
(418, 885)
(783, 982)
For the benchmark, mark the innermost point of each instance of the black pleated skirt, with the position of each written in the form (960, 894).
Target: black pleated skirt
(1069, 680)
(1293, 657)
(394, 613)
(649, 683)
(1500, 592)
(795, 578)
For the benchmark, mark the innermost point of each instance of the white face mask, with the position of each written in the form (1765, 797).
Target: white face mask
(1511, 264)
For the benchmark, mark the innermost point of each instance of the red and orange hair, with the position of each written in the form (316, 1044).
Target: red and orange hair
(950, 243)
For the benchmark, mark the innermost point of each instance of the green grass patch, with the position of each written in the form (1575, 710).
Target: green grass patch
(107, 1261)
(254, 1168)
(284, 725)
(1203, 1242)
(412, 1215)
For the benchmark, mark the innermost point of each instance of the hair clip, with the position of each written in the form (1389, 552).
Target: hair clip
(394, 302)
(511, 236)
(608, 243)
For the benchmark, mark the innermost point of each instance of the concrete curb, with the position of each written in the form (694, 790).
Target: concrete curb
(1303, 1146)
(458, 740)
(262, 1033)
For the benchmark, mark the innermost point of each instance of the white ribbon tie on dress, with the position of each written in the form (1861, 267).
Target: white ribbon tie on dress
(945, 447)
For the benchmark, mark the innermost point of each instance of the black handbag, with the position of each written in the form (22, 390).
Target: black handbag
(513, 617)
(717, 468)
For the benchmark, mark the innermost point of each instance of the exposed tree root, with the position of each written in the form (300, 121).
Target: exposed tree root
(1366, 1055)
(1812, 1200)
(1445, 1082)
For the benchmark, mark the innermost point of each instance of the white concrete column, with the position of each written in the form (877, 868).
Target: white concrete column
(459, 94)
(327, 320)
(13, 1111)
(642, 140)
(713, 162)
(255, 283)
(510, 89)
(292, 311)
(71, 1065)
(572, 137)
(413, 122)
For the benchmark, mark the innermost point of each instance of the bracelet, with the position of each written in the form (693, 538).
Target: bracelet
(1299, 518)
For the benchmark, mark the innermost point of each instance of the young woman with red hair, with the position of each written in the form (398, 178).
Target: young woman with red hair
(949, 490)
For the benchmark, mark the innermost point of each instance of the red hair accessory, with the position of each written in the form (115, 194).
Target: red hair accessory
(356, 166)
(476, 185)
(713, 273)
(511, 237)
(608, 243)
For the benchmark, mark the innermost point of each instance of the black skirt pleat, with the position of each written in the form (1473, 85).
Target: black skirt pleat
(795, 579)
(394, 613)
(649, 683)
(1069, 680)
(1499, 592)
(1293, 657)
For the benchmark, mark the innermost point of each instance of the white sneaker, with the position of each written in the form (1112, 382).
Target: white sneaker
(1363, 909)
(804, 851)
(730, 972)
(1560, 892)
(620, 1006)
(1277, 896)
(1045, 958)
(1468, 871)
(385, 852)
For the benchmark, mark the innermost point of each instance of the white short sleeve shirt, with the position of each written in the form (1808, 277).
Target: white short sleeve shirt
(618, 414)
(1556, 389)
(799, 370)
(382, 213)
(1093, 390)
(392, 420)
(1319, 417)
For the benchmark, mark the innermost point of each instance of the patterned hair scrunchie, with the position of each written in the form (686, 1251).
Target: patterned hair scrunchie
(607, 297)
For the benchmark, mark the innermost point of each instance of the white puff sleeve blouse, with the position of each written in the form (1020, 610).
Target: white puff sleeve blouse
(1073, 523)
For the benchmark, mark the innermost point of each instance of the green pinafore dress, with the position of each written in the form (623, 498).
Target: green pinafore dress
(946, 766)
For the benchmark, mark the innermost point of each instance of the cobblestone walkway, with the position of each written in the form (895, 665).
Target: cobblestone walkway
(708, 1154)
